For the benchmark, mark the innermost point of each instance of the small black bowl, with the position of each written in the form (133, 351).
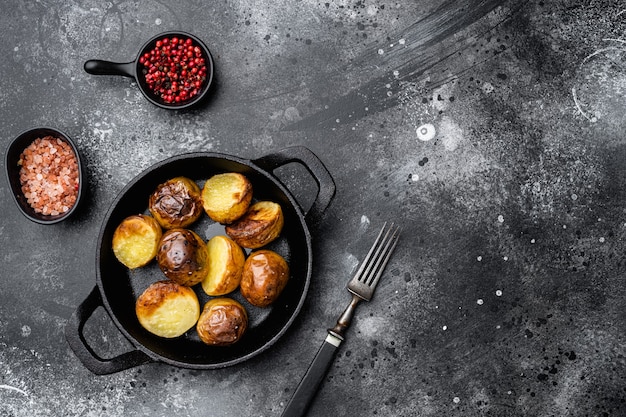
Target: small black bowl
(13, 173)
(134, 68)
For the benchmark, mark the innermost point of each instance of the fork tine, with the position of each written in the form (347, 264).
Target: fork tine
(383, 253)
(368, 258)
(376, 248)
(378, 253)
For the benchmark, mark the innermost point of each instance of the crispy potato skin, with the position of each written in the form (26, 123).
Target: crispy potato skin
(167, 309)
(225, 268)
(265, 275)
(226, 197)
(223, 321)
(261, 224)
(183, 256)
(176, 203)
(136, 240)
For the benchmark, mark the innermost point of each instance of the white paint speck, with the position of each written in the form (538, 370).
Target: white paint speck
(601, 240)
(292, 114)
(501, 218)
(17, 48)
(402, 41)
(372, 326)
(102, 133)
(444, 328)
(158, 21)
(26, 331)
(426, 132)
(415, 177)
(480, 301)
(381, 52)
(450, 133)
(479, 258)
(532, 241)
(456, 400)
(574, 197)
(505, 258)
(499, 293)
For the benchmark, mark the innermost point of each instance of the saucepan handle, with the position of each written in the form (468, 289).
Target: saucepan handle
(84, 352)
(100, 67)
(321, 175)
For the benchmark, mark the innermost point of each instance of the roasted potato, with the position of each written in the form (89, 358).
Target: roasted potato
(225, 267)
(176, 203)
(265, 275)
(136, 240)
(183, 256)
(167, 309)
(222, 322)
(261, 224)
(226, 197)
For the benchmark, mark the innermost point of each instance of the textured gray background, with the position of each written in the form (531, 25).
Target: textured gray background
(506, 295)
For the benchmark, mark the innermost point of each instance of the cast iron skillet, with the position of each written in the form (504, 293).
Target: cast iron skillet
(117, 288)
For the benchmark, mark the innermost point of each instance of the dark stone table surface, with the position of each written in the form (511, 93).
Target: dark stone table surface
(493, 131)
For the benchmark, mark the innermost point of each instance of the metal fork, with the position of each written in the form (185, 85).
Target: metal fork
(362, 287)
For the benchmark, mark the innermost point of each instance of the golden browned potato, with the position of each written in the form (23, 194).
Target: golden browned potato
(261, 224)
(265, 274)
(183, 256)
(136, 240)
(167, 309)
(176, 203)
(226, 197)
(225, 267)
(222, 322)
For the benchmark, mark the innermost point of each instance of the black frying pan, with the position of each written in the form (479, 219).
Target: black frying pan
(117, 288)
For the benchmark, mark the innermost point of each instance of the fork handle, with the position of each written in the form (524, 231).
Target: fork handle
(346, 318)
(301, 399)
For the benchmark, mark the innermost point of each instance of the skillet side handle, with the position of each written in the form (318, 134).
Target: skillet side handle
(78, 343)
(315, 167)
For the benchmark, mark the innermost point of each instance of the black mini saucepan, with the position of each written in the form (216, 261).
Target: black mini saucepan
(117, 287)
(134, 69)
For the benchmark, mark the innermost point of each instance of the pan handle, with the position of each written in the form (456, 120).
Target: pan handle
(100, 67)
(89, 358)
(321, 175)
